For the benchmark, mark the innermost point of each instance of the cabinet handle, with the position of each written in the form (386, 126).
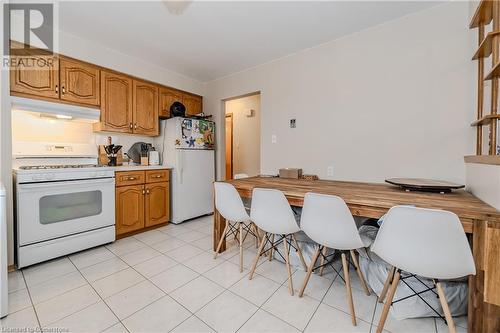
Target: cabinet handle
(131, 126)
(57, 89)
(147, 191)
(63, 91)
(130, 178)
(158, 176)
(143, 192)
(135, 126)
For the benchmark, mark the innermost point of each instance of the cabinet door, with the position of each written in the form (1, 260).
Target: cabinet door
(193, 104)
(145, 108)
(79, 82)
(167, 97)
(116, 102)
(157, 203)
(37, 76)
(129, 208)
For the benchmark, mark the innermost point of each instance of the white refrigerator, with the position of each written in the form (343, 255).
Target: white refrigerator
(188, 146)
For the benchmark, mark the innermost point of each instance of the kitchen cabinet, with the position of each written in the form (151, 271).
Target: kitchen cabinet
(142, 199)
(167, 98)
(129, 208)
(116, 103)
(145, 108)
(33, 78)
(157, 203)
(79, 82)
(193, 104)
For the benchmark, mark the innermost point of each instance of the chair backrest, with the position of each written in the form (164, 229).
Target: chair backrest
(326, 219)
(240, 176)
(229, 204)
(426, 242)
(272, 213)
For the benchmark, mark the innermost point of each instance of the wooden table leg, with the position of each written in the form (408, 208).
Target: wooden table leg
(219, 225)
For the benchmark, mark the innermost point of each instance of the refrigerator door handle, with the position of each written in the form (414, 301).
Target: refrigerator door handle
(180, 165)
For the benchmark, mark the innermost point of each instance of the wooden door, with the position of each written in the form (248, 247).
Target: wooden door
(229, 146)
(129, 208)
(36, 76)
(79, 82)
(116, 103)
(145, 108)
(157, 203)
(167, 97)
(193, 104)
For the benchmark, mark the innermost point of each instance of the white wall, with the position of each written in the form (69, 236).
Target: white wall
(246, 134)
(393, 100)
(483, 181)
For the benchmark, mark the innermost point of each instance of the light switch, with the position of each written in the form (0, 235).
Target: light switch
(274, 138)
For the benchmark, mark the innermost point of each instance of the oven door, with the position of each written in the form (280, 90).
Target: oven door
(47, 211)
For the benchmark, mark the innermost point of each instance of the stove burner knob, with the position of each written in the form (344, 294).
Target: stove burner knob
(36, 178)
(93, 174)
(49, 176)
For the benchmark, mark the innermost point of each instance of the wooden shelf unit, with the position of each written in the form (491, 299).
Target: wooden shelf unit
(485, 48)
(488, 45)
(485, 120)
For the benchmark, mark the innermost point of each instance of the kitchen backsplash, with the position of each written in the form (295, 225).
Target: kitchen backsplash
(30, 126)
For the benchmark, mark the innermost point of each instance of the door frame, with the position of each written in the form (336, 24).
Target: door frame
(229, 115)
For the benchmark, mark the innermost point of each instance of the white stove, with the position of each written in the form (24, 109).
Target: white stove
(64, 203)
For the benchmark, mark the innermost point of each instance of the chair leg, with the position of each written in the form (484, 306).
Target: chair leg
(360, 274)
(301, 257)
(388, 302)
(446, 308)
(345, 265)
(241, 247)
(289, 269)
(309, 271)
(387, 283)
(257, 257)
(257, 235)
(271, 250)
(223, 236)
(325, 252)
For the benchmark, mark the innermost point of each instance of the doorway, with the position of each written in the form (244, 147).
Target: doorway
(242, 136)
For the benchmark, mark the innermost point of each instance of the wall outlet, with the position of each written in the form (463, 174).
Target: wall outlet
(329, 171)
(274, 138)
(293, 123)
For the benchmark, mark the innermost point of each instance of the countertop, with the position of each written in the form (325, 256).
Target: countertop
(136, 167)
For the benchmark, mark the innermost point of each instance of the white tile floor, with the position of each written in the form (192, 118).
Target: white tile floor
(167, 280)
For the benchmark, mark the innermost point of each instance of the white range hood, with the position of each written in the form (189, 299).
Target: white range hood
(56, 110)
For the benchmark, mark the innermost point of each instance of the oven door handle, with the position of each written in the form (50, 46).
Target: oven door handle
(99, 181)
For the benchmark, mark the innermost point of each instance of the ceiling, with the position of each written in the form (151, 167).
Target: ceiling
(208, 40)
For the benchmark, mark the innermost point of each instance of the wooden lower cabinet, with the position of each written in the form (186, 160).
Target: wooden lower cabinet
(142, 205)
(157, 203)
(129, 208)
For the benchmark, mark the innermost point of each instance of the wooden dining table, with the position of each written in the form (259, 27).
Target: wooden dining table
(480, 221)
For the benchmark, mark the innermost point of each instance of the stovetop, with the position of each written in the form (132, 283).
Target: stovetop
(64, 166)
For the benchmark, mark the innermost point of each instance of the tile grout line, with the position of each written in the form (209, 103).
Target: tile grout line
(98, 295)
(31, 300)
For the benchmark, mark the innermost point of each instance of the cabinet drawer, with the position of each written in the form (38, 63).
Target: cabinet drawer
(129, 178)
(155, 176)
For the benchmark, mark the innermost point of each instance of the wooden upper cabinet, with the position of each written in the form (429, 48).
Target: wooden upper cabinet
(79, 82)
(157, 203)
(167, 98)
(116, 103)
(145, 108)
(129, 208)
(193, 104)
(38, 80)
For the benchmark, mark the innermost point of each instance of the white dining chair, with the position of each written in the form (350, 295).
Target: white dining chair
(425, 242)
(272, 213)
(229, 204)
(240, 176)
(326, 219)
